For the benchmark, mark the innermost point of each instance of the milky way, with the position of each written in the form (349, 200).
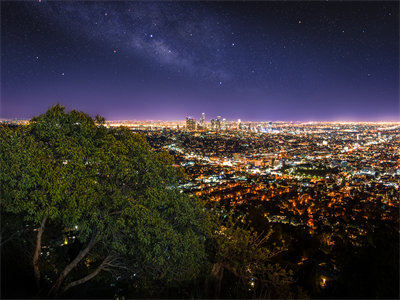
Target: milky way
(166, 60)
(169, 33)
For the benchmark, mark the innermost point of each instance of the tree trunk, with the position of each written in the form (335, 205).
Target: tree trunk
(56, 287)
(36, 254)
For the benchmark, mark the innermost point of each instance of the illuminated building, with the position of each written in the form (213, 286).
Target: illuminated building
(190, 123)
(202, 123)
(218, 125)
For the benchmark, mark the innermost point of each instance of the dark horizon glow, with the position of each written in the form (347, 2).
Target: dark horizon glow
(287, 61)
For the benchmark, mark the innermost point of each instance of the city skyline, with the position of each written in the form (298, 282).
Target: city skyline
(278, 61)
(213, 117)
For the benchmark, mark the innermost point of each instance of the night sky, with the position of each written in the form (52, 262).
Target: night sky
(168, 60)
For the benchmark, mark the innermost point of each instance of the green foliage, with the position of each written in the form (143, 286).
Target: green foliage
(109, 184)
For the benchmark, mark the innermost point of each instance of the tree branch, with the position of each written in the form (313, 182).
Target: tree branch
(54, 290)
(10, 238)
(89, 276)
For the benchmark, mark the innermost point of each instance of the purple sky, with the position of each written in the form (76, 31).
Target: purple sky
(167, 60)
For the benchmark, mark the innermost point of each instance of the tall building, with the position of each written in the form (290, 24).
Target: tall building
(223, 126)
(202, 123)
(212, 124)
(190, 123)
(218, 123)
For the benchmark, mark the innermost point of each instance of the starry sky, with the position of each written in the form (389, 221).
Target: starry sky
(168, 60)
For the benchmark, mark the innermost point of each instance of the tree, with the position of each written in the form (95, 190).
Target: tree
(249, 256)
(115, 197)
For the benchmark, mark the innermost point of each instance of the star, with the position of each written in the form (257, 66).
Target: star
(115, 51)
(151, 35)
(233, 44)
(62, 74)
(220, 83)
(106, 14)
(299, 21)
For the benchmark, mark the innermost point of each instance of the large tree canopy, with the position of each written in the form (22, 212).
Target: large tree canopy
(115, 197)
